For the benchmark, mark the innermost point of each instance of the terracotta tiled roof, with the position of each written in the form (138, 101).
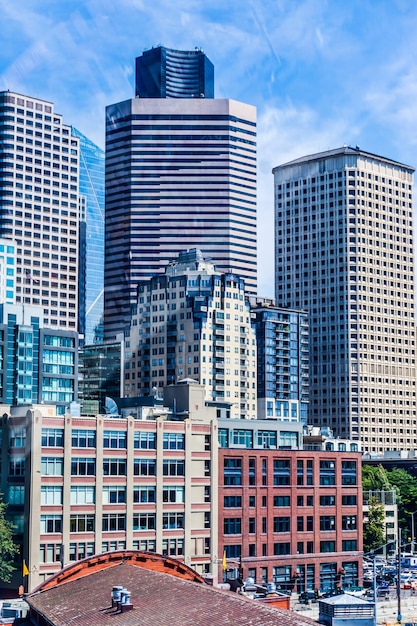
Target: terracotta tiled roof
(158, 599)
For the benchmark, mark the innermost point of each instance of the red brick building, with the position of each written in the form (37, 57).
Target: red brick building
(291, 516)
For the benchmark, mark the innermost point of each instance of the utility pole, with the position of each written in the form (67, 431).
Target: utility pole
(374, 584)
(399, 616)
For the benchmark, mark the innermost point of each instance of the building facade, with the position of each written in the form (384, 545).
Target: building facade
(288, 515)
(37, 364)
(193, 322)
(91, 257)
(180, 173)
(101, 375)
(165, 73)
(344, 253)
(39, 206)
(282, 343)
(78, 486)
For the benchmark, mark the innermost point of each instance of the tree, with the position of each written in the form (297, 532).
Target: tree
(406, 487)
(375, 478)
(8, 549)
(374, 528)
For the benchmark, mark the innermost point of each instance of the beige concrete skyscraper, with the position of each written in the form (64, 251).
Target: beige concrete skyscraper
(344, 253)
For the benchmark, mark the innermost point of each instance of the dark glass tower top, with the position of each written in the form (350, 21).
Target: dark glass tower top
(165, 73)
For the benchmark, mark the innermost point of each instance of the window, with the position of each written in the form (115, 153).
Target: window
(145, 441)
(282, 548)
(309, 523)
(173, 494)
(233, 552)
(349, 500)
(114, 467)
(144, 467)
(81, 550)
(52, 466)
(282, 524)
(327, 473)
(232, 526)
(51, 494)
(281, 472)
(17, 494)
(51, 524)
(300, 472)
(174, 467)
(144, 521)
(241, 437)
(349, 473)
(52, 437)
(50, 552)
(267, 439)
(327, 546)
(174, 547)
(327, 500)
(327, 522)
(173, 520)
(282, 500)
(174, 441)
(17, 438)
(82, 523)
(252, 471)
(348, 522)
(82, 494)
(114, 439)
(113, 521)
(232, 502)
(144, 494)
(114, 494)
(252, 525)
(300, 523)
(310, 501)
(83, 467)
(232, 471)
(83, 438)
(252, 501)
(17, 466)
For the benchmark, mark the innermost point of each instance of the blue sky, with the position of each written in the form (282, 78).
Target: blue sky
(322, 73)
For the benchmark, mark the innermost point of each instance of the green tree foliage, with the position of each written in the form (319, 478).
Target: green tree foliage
(375, 478)
(406, 486)
(374, 528)
(8, 549)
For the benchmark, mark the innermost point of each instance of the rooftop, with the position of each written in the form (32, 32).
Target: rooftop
(159, 598)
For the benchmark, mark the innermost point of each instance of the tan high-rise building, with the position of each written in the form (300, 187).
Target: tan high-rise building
(344, 253)
(194, 322)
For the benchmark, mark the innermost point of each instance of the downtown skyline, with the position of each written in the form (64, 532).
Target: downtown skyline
(321, 74)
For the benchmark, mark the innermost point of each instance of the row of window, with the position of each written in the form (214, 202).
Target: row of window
(281, 472)
(111, 494)
(233, 525)
(116, 439)
(54, 466)
(86, 522)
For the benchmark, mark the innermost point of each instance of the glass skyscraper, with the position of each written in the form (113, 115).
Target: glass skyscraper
(165, 73)
(91, 296)
(283, 362)
(180, 174)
